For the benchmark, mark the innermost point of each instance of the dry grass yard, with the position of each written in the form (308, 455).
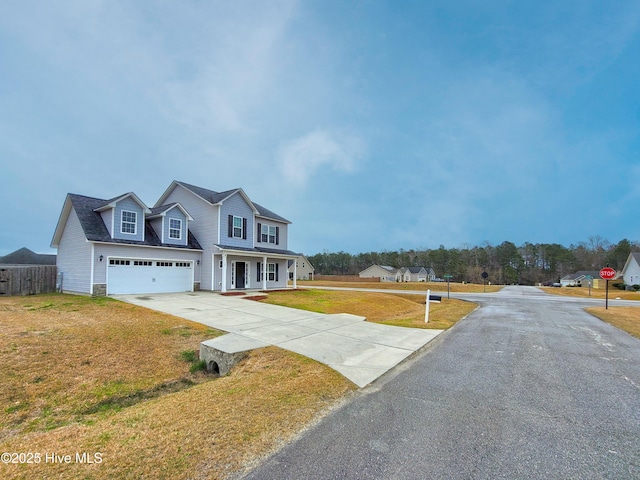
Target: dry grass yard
(625, 318)
(95, 376)
(419, 286)
(400, 310)
(595, 293)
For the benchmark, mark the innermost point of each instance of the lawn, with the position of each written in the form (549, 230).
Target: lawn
(419, 286)
(92, 375)
(595, 292)
(389, 309)
(625, 318)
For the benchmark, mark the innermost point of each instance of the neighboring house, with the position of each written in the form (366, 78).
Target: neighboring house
(404, 274)
(578, 279)
(303, 267)
(192, 239)
(418, 274)
(631, 270)
(24, 256)
(385, 273)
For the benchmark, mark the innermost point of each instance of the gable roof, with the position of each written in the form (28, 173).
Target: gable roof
(162, 210)
(632, 256)
(216, 198)
(112, 202)
(87, 209)
(581, 274)
(24, 256)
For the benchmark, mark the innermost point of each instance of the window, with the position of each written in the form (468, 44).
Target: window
(142, 263)
(119, 262)
(183, 264)
(128, 224)
(164, 264)
(271, 272)
(268, 234)
(175, 228)
(237, 227)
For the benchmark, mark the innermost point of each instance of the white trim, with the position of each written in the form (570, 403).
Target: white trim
(122, 222)
(182, 249)
(179, 237)
(92, 274)
(219, 225)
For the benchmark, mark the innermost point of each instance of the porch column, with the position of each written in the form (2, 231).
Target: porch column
(264, 273)
(224, 273)
(295, 272)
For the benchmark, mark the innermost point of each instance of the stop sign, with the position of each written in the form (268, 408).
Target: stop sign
(607, 273)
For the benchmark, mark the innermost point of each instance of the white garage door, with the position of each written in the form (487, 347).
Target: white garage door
(148, 276)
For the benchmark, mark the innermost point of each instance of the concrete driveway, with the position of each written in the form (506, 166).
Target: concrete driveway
(359, 350)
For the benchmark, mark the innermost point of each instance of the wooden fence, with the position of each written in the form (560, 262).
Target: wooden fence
(346, 278)
(27, 279)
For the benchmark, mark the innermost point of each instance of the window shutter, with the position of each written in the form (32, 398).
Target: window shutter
(244, 228)
(277, 235)
(259, 235)
(259, 272)
(276, 272)
(231, 225)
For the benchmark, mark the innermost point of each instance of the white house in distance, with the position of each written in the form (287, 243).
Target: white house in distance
(192, 239)
(303, 268)
(631, 269)
(384, 272)
(403, 274)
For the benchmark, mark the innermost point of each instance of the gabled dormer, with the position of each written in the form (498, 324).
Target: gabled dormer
(171, 223)
(124, 217)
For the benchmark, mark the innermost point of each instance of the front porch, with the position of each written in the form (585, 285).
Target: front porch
(239, 269)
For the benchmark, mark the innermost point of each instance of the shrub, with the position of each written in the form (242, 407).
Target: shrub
(636, 287)
(190, 356)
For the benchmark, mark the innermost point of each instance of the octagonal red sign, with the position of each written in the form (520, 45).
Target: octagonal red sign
(607, 273)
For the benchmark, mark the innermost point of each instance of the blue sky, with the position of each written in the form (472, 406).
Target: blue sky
(371, 125)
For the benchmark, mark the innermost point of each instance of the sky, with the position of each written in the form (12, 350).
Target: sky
(370, 125)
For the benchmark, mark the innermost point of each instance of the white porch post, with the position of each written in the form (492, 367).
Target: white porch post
(224, 273)
(295, 272)
(264, 273)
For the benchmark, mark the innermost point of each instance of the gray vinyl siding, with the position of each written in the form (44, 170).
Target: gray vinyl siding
(156, 224)
(74, 257)
(107, 218)
(236, 206)
(204, 226)
(130, 205)
(142, 253)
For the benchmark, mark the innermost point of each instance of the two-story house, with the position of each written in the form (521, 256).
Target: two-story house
(192, 239)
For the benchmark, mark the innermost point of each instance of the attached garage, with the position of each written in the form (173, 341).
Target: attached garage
(127, 275)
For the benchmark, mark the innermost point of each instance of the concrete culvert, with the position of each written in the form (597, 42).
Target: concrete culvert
(213, 368)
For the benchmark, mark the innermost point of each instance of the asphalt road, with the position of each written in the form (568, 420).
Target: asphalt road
(526, 387)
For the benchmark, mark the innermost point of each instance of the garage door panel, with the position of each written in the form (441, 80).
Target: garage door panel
(145, 276)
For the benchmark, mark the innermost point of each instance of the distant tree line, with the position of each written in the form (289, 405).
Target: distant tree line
(506, 263)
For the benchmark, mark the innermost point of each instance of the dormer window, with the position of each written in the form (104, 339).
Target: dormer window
(175, 228)
(128, 223)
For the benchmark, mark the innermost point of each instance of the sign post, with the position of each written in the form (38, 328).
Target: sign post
(448, 277)
(607, 274)
(485, 275)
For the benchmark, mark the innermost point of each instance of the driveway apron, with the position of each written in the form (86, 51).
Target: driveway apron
(359, 350)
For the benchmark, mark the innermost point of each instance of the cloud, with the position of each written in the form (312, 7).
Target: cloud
(303, 157)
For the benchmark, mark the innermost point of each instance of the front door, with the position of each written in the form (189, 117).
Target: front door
(240, 274)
